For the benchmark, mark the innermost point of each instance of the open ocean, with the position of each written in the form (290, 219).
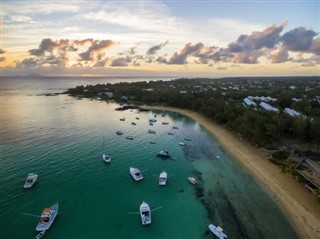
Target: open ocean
(62, 140)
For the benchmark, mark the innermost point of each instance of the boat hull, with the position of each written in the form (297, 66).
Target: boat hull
(163, 179)
(145, 213)
(217, 231)
(192, 180)
(42, 225)
(106, 158)
(31, 180)
(135, 173)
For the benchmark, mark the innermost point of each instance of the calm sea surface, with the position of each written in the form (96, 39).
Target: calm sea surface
(62, 139)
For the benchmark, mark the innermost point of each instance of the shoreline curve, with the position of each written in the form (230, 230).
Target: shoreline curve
(301, 208)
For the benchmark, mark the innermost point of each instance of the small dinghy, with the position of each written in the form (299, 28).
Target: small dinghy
(31, 179)
(163, 178)
(192, 180)
(216, 230)
(106, 158)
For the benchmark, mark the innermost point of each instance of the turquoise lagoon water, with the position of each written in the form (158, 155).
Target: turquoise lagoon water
(62, 139)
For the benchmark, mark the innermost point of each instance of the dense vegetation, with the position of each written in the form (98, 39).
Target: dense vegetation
(222, 101)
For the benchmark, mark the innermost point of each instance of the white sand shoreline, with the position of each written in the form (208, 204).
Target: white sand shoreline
(298, 204)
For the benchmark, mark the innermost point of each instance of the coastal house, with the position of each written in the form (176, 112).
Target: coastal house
(262, 98)
(249, 103)
(291, 112)
(268, 107)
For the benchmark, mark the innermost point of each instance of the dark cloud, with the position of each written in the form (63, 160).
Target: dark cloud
(153, 50)
(132, 50)
(315, 47)
(28, 62)
(45, 45)
(101, 63)
(249, 57)
(161, 59)
(298, 39)
(279, 56)
(187, 50)
(257, 40)
(222, 54)
(95, 48)
(2, 58)
(121, 62)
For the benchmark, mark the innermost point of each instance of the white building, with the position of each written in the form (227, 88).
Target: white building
(268, 107)
(249, 102)
(291, 112)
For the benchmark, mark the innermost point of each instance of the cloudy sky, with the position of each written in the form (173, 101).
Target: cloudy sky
(160, 38)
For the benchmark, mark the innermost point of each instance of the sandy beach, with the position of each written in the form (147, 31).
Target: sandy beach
(297, 203)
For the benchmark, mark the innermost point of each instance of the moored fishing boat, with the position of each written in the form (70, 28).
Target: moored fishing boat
(192, 180)
(163, 178)
(129, 137)
(164, 154)
(151, 131)
(182, 144)
(145, 213)
(47, 217)
(30, 180)
(136, 174)
(216, 230)
(119, 132)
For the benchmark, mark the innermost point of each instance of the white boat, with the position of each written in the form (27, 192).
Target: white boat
(164, 154)
(192, 180)
(163, 178)
(182, 144)
(136, 174)
(31, 179)
(216, 230)
(145, 213)
(47, 217)
(106, 158)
